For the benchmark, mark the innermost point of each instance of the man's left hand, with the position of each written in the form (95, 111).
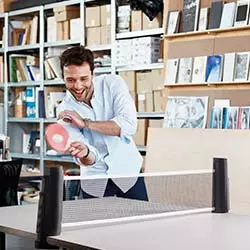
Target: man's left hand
(78, 150)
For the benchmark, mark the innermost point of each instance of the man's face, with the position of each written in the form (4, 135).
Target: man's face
(78, 80)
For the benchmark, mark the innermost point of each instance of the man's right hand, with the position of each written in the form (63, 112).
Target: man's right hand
(73, 117)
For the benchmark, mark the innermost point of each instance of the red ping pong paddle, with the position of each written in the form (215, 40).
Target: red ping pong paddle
(57, 137)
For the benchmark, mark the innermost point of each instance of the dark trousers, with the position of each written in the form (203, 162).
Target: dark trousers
(138, 191)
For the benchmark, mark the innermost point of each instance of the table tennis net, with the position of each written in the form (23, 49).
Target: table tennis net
(166, 193)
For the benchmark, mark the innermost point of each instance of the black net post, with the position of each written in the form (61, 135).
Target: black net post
(2, 241)
(220, 198)
(49, 217)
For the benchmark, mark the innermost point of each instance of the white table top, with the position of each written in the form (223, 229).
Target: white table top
(206, 231)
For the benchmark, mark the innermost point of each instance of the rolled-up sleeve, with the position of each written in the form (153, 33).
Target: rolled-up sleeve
(124, 109)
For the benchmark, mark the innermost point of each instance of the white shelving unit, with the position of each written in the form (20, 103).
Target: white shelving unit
(159, 115)
(61, 43)
(41, 46)
(26, 156)
(100, 47)
(140, 67)
(59, 158)
(142, 148)
(23, 47)
(24, 120)
(140, 33)
(23, 84)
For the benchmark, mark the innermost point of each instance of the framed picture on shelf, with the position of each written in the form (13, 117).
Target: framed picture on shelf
(173, 22)
(242, 13)
(186, 112)
(241, 67)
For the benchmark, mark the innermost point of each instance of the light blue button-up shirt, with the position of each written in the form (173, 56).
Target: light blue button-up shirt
(114, 155)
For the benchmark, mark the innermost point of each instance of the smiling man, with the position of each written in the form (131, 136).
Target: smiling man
(103, 110)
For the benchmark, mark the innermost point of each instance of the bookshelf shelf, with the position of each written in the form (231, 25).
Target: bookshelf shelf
(195, 34)
(53, 82)
(24, 47)
(207, 84)
(61, 43)
(25, 174)
(25, 156)
(150, 115)
(100, 70)
(59, 158)
(100, 47)
(142, 148)
(1, 85)
(23, 84)
(24, 119)
(140, 67)
(1, 50)
(149, 32)
(24, 11)
(2, 15)
(59, 4)
(50, 120)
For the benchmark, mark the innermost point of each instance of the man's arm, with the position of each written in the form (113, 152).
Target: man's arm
(105, 127)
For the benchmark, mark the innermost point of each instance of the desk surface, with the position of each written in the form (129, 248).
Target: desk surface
(206, 231)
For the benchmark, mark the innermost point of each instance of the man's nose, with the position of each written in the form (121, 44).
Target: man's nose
(78, 84)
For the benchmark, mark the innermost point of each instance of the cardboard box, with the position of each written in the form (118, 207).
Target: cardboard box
(63, 30)
(140, 137)
(136, 20)
(157, 76)
(93, 16)
(93, 36)
(133, 95)
(158, 96)
(154, 24)
(129, 78)
(106, 34)
(5, 5)
(155, 123)
(74, 33)
(65, 13)
(59, 31)
(105, 15)
(66, 30)
(145, 102)
(144, 82)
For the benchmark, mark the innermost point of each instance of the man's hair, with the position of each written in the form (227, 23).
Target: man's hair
(77, 55)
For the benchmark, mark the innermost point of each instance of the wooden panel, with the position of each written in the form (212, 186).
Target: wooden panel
(174, 4)
(191, 48)
(192, 149)
(238, 97)
(238, 43)
(205, 3)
